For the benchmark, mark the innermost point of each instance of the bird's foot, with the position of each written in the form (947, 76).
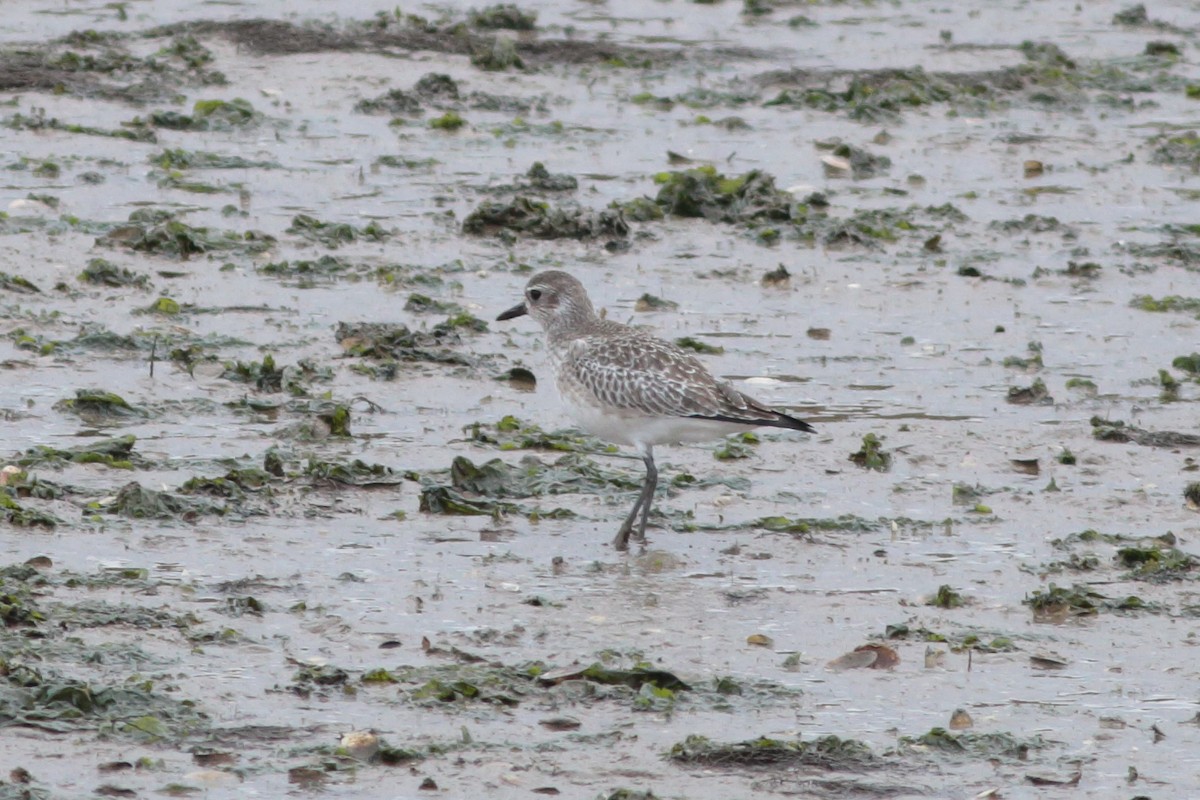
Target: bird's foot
(621, 542)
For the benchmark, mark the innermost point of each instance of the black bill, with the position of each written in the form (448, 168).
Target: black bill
(518, 310)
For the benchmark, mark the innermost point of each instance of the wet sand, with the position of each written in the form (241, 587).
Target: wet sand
(1036, 218)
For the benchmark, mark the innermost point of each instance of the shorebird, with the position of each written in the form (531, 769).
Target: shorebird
(629, 387)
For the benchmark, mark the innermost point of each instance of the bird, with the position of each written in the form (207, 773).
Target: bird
(629, 387)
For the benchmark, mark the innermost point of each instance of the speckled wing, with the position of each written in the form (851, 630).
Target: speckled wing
(627, 369)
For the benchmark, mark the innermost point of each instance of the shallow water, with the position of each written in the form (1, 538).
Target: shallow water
(915, 355)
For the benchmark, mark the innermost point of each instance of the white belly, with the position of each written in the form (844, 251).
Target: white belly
(624, 427)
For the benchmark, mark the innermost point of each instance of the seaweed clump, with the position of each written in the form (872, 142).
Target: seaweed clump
(704, 192)
(158, 232)
(1120, 431)
(827, 752)
(470, 489)
(391, 343)
(524, 216)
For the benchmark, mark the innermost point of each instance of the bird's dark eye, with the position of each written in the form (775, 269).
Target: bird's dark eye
(535, 294)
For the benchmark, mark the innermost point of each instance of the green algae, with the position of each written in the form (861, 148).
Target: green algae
(18, 610)
(973, 745)
(1075, 562)
(400, 162)
(698, 346)
(399, 343)
(116, 453)
(1034, 394)
(338, 420)
(233, 485)
(23, 484)
(544, 180)
(524, 216)
(16, 283)
(207, 115)
(335, 234)
(1189, 364)
(1030, 223)
(957, 642)
(98, 406)
(828, 752)
(752, 202)
(1086, 270)
(1186, 254)
(736, 446)
(631, 794)
(1120, 431)
(863, 163)
(1048, 78)
(946, 597)
(1079, 600)
(847, 523)
(351, 473)
(1093, 536)
(685, 480)
(462, 691)
(1132, 15)
(21, 516)
(92, 614)
(35, 343)
(641, 209)
(1188, 305)
(872, 455)
(46, 700)
(138, 502)
(102, 272)
(326, 266)
(470, 489)
(650, 302)
(450, 121)
(264, 375)
(497, 54)
(157, 232)
(704, 192)
(519, 126)
(466, 684)
(183, 183)
(1031, 364)
(635, 678)
(511, 433)
(1176, 149)
(188, 50)
(1156, 562)
(181, 159)
(34, 694)
(38, 121)
(502, 16)
(879, 96)
(165, 307)
(446, 500)
(433, 88)
(424, 304)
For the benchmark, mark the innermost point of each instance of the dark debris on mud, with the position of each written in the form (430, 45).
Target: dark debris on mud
(388, 32)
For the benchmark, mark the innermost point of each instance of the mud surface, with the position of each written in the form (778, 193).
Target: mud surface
(287, 513)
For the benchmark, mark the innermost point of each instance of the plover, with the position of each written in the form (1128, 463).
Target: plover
(629, 387)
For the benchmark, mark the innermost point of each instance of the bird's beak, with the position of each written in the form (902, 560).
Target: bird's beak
(519, 310)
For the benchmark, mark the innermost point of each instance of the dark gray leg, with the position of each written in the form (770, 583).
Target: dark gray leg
(648, 493)
(642, 505)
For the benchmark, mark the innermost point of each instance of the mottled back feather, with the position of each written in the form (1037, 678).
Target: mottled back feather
(621, 368)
